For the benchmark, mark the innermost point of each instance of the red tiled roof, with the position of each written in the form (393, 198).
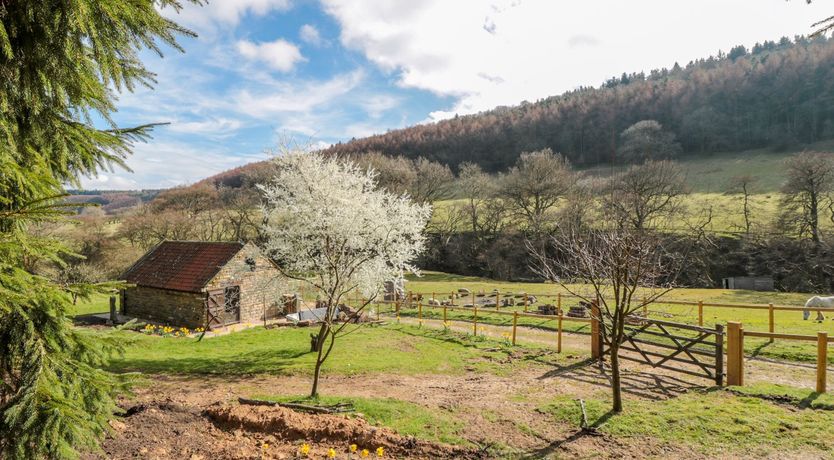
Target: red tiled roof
(181, 265)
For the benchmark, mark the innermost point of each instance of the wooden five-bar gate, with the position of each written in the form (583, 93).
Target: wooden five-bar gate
(691, 350)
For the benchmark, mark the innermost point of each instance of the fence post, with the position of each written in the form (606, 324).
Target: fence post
(444, 314)
(473, 299)
(596, 337)
(420, 313)
(475, 322)
(735, 353)
(113, 316)
(645, 308)
(559, 334)
(822, 360)
(515, 322)
(497, 300)
(397, 308)
(719, 354)
(559, 302)
(525, 302)
(770, 320)
(700, 313)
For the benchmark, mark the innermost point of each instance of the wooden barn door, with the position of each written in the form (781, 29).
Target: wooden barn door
(223, 307)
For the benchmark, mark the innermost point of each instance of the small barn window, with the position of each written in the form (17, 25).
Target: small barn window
(231, 299)
(250, 262)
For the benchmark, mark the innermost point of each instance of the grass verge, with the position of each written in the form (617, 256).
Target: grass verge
(405, 418)
(738, 421)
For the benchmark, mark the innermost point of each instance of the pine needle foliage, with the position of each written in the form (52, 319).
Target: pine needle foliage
(62, 64)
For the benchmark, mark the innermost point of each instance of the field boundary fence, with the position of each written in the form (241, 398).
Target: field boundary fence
(733, 334)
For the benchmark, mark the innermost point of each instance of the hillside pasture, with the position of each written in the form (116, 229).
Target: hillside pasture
(442, 285)
(478, 393)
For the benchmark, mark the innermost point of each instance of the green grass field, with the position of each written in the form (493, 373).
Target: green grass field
(715, 421)
(99, 303)
(286, 351)
(758, 420)
(406, 418)
(707, 179)
(790, 322)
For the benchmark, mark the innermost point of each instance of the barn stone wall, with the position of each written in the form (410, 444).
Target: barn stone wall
(173, 308)
(260, 293)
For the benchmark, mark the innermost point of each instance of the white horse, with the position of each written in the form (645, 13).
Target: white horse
(818, 302)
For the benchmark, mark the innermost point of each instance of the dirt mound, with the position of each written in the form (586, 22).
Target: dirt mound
(288, 425)
(169, 430)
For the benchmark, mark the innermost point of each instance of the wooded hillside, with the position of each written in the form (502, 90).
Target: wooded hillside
(777, 95)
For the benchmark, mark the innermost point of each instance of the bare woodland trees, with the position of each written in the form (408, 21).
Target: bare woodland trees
(744, 185)
(647, 140)
(477, 188)
(810, 181)
(426, 181)
(329, 226)
(535, 185)
(643, 194)
(622, 269)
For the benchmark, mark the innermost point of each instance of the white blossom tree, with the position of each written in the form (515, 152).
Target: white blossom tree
(327, 224)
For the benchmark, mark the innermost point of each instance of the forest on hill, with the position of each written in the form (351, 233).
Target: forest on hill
(777, 95)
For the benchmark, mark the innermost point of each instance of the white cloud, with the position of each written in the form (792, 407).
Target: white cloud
(108, 182)
(280, 55)
(378, 104)
(159, 164)
(500, 52)
(224, 12)
(218, 127)
(309, 34)
(288, 97)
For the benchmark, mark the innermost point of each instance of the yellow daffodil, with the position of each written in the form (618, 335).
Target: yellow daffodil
(380, 451)
(265, 446)
(353, 447)
(331, 453)
(305, 449)
(365, 453)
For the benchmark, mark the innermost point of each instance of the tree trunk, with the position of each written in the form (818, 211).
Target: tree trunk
(319, 359)
(616, 391)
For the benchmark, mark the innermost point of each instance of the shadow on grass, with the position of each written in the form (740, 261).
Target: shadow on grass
(261, 362)
(550, 449)
(642, 384)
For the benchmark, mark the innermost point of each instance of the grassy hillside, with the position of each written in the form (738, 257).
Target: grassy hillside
(712, 172)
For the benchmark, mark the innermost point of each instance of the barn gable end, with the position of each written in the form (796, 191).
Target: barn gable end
(187, 283)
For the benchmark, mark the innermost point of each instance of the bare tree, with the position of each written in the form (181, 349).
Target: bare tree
(432, 181)
(810, 181)
(644, 193)
(534, 186)
(395, 174)
(476, 187)
(647, 140)
(621, 270)
(744, 185)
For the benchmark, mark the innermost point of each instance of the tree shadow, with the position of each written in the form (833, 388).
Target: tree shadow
(554, 446)
(646, 385)
(260, 362)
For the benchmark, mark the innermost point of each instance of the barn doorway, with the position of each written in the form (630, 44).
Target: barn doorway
(224, 307)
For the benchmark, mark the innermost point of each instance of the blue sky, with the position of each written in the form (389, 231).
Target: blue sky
(319, 72)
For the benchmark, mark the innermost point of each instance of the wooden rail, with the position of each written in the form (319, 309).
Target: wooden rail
(559, 318)
(735, 352)
(770, 308)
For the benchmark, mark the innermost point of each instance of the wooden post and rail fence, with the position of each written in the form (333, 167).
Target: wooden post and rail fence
(731, 355)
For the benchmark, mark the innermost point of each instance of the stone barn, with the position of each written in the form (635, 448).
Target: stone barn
(202, 284)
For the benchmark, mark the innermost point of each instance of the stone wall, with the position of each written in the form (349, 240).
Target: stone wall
(172, 308)
(260, 288)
